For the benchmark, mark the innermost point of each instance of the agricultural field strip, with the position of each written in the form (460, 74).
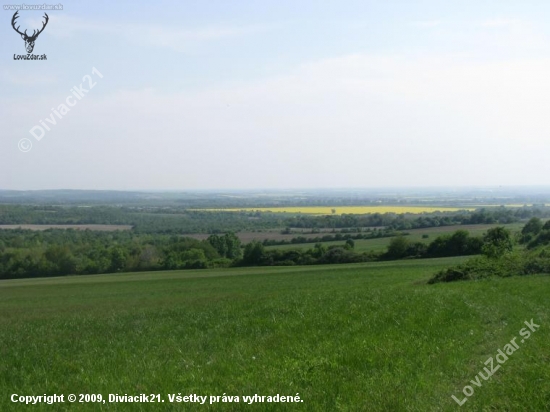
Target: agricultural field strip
(195, 274)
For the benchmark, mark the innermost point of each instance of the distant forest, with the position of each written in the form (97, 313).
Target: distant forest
(175, 220)
(158, 242)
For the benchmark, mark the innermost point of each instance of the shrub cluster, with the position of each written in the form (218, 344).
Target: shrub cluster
(499, 259)
(518, 263)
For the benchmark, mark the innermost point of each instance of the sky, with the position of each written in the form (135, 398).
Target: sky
(276, 94)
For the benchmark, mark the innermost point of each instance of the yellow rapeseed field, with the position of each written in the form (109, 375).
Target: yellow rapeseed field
(340, 210)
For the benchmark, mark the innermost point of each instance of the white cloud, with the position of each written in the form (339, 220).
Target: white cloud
(13, 77)
(426, 23)
(356, 120)
(499, 22)
(174, 38)
(509, 35)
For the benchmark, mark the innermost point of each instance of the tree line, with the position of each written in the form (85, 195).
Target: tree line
(460, 243)
(368, 234)
(178, 220)
(55, 252)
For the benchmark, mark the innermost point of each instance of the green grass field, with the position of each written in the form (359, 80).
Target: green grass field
(415, 235)
(365, 337)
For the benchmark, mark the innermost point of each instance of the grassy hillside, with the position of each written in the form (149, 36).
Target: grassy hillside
(367, 337)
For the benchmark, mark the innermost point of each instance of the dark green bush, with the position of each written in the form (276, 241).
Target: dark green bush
(511, 264)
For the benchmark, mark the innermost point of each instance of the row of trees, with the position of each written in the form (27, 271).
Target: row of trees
(178, 220)
(368, 234)
(142, 219)
(495, 242)
(459, 243)
(407, 221)
(53, 252)
(26, 253)
(535, 233)
(255, 254)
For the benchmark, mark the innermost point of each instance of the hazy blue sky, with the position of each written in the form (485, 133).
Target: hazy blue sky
(278, 94)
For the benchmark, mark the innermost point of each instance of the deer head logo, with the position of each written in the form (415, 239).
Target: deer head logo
(29, 40)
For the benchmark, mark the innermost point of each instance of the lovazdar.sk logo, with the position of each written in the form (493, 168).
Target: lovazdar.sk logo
(29, 40)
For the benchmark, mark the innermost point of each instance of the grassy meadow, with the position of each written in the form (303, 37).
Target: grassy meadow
(364, 337)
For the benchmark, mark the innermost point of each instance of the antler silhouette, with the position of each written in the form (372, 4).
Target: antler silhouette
(34, 33)
(15, 17)
(43, 27)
